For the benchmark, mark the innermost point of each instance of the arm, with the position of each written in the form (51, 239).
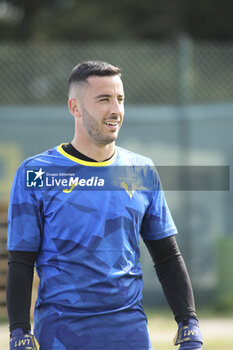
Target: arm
(174, 279)
(18, 296)
(173, 276)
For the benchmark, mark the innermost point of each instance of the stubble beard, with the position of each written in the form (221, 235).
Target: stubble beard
(94, 131)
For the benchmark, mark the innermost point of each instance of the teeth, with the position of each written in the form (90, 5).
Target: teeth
(111, 123)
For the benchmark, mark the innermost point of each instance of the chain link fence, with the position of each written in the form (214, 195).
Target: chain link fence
(184, 72)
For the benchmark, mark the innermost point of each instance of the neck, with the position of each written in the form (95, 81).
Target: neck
(97, 152)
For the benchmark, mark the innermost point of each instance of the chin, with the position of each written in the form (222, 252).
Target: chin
(109, 140)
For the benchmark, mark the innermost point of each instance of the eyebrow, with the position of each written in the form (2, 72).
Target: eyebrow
(106, 95)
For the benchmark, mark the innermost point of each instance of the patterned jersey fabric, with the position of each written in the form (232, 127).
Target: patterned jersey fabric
(84, 218)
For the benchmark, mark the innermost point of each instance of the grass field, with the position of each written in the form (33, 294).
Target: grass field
(217, 332)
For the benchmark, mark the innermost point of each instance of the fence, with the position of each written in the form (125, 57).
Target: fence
(183, 72)
(3, 257)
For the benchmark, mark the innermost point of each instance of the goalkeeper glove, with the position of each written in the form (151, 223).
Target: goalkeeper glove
(21, 341)
(189, 335)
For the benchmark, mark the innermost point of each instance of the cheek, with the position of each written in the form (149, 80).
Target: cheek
(122, 114)
(98, 110)
(102, 109)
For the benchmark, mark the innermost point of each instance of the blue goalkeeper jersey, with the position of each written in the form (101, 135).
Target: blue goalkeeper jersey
(84, 220)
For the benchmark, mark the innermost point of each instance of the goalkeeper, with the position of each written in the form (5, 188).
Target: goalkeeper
(85, 244)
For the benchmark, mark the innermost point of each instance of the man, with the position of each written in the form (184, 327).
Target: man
(85, 240)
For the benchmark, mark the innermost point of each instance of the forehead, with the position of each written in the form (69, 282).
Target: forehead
(111, 85)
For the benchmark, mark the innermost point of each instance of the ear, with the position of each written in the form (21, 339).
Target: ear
(74, 107)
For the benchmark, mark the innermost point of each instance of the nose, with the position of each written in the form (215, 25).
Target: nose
(116, 107)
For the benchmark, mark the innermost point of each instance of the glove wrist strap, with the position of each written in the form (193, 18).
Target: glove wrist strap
(188, 333)
(23, 341)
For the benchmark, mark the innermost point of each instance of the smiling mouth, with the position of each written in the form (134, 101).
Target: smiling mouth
(111, 123)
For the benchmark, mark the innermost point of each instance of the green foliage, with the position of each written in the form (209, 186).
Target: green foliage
(76, 20)
(225, 276)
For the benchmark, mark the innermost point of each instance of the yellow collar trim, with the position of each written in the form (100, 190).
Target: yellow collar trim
(85, 162)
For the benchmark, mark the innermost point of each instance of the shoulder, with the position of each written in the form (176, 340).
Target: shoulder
(132, 158)
(47, 158)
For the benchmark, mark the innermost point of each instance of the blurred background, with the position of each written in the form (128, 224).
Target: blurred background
(176, 58)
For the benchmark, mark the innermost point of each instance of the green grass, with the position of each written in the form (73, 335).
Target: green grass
(162, 329)
(208, 345)
(3, 320)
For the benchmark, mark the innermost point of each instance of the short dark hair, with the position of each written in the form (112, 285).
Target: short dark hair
(84, 70)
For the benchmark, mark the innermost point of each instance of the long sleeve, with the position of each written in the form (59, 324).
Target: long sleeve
(19, 288)
(173, 276)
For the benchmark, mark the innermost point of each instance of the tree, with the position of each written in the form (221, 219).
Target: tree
(76, 20)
